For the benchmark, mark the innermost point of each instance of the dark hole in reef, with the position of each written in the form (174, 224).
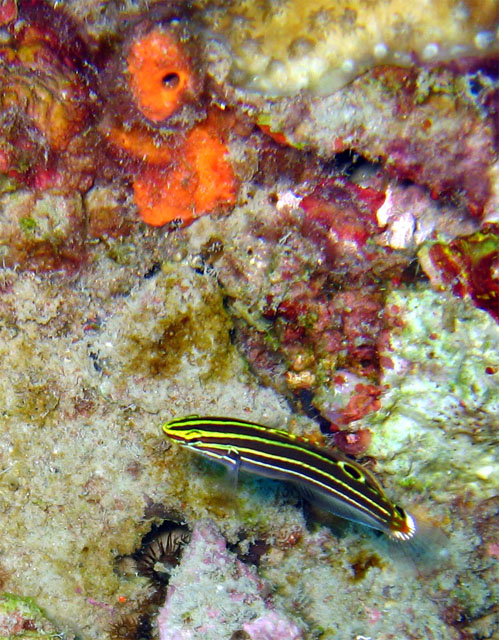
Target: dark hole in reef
(475, 85)
(171, 80)
(413, 273)
(212, 248)
(95, 359)
(152, 271)
(346, 162)
(255, 551)
(240, 634)
(306, 398)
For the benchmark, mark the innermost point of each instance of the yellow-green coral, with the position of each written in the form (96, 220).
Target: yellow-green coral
(279, 47)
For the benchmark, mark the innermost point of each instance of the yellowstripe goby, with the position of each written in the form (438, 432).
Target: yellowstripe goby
(326, 478)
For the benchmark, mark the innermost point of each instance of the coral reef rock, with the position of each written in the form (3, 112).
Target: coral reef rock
(281, 47)
(438, 436)
(192, 610)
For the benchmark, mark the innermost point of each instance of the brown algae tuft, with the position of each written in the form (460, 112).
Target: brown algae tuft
(196, 330)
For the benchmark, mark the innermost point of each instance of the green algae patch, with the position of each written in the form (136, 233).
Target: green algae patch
(23, 618)
(28, 225)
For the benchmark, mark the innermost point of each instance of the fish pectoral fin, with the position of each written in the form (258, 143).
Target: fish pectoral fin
(232, 461)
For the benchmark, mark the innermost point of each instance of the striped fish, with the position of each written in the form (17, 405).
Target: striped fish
(326, 478)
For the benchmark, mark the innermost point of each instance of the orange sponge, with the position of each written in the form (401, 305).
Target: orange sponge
(161, 78)
(200, 180)
(165, 194)
(139, 143)
(216, 181)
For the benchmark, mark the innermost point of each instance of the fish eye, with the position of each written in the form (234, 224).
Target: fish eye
(194, 434)
(352, 471)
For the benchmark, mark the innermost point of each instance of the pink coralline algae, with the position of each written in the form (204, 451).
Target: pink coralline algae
(272, 627)
(341, 216)
(212, 594)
